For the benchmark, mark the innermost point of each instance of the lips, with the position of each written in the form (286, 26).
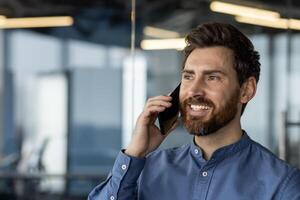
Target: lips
(199, 107)
(198, 110)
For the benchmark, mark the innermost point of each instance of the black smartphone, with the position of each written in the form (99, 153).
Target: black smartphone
(167, 118)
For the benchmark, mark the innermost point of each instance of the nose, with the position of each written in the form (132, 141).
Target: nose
(196, 88)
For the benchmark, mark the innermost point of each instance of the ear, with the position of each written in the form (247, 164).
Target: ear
(248, 90)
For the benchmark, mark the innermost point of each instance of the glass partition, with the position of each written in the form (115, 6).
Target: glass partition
(69, 97)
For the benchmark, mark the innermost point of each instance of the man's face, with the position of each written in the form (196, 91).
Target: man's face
(210, 92)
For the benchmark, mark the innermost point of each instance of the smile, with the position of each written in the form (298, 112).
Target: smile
(199, 107)
(198, 110)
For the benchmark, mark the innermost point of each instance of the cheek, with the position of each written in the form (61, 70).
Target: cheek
(182, 94)
(181, 97)
(219, 98)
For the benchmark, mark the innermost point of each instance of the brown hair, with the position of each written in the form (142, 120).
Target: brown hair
(220, 34)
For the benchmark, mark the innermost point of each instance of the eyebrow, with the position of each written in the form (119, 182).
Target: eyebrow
(205, 72)
(187, 71)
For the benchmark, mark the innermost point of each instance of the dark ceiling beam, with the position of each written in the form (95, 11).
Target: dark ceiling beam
(17, 8)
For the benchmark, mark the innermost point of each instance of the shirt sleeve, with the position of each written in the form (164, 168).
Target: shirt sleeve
(121, 183)
(291, 190)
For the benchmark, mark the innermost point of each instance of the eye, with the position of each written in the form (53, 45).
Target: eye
(187, 76)
(213, 78)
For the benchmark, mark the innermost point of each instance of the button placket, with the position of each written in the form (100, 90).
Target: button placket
(204, 174)
(112, 198)
(124, 167)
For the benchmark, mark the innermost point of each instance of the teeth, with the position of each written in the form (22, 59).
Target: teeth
(199, 107)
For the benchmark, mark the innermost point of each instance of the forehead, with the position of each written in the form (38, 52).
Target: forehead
(210, 58)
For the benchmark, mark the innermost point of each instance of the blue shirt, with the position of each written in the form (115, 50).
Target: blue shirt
(244, 170)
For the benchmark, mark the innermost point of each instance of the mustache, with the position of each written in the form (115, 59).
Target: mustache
(199, 100)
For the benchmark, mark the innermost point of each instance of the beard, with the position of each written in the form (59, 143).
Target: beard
(220, 118)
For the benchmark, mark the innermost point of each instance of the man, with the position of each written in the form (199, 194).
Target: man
(219, 77)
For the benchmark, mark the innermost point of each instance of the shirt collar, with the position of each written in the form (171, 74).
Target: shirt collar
(222, 152)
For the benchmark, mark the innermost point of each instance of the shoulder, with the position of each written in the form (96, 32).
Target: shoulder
(273, 165)
(268, 158)
(291, 186)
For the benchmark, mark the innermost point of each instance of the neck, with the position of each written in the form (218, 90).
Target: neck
(227, 135)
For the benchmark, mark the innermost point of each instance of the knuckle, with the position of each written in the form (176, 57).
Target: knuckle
(151, 99)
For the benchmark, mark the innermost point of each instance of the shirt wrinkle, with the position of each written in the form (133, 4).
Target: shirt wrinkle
(251, 173)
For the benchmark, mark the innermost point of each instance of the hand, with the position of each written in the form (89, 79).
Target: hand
(147, 136)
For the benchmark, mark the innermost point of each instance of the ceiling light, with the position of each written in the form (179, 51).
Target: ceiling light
(160, 33)
(280, 23)
(294, 24)
(176, 43)
(245, 11)
(35, 22)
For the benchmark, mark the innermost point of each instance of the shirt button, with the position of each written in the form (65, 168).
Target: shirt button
(123, 167)
(112, 198)
(196, 151)
(204, 174)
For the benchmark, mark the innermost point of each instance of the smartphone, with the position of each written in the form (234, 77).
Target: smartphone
(167, 118)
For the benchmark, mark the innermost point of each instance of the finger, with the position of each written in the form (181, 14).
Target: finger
(150, 114)
(153, 112)
(158, 103)
(155, 109)
(161, 97)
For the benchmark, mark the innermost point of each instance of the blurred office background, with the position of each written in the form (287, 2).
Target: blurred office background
(75, 74)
